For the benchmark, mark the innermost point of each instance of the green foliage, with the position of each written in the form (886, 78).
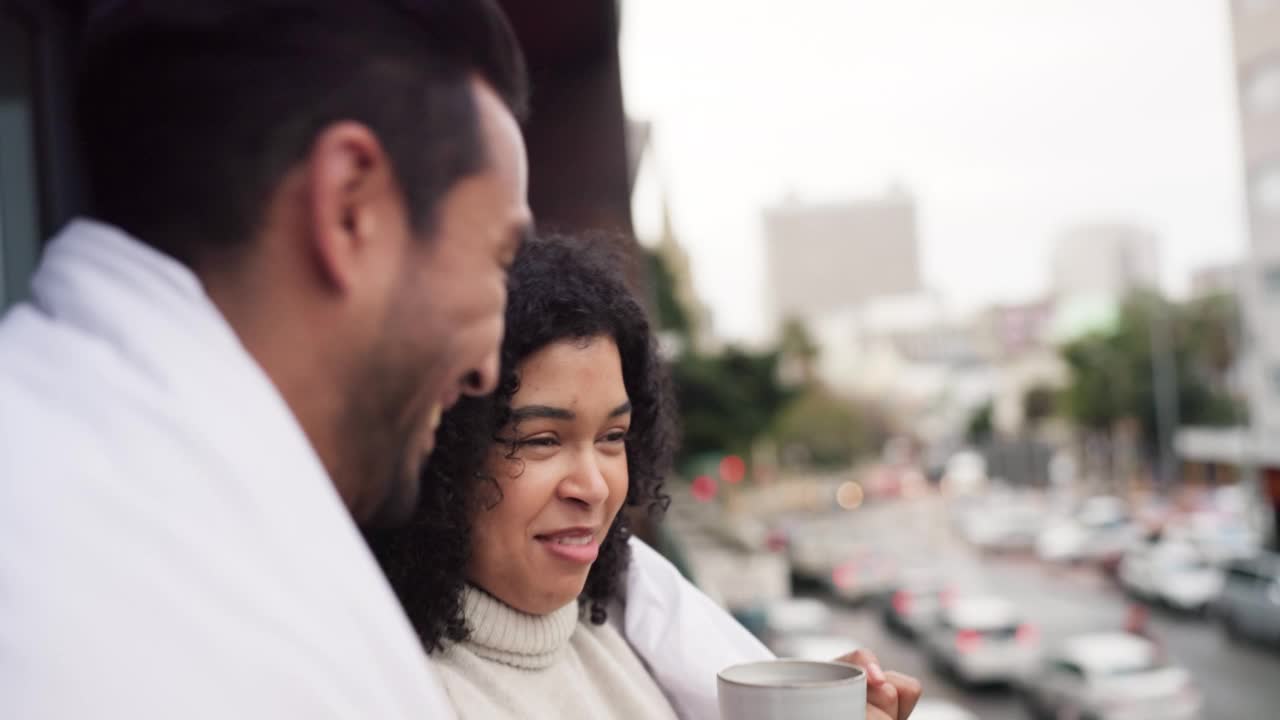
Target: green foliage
(669, 313)
(1112, 377)
(727, 401)
(831, 431)
(981, 424)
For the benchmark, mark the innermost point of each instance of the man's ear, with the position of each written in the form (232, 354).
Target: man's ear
(348, 178)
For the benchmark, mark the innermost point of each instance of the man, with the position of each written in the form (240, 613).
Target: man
(303, 211)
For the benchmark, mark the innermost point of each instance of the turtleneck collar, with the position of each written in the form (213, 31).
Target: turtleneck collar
(503, 634)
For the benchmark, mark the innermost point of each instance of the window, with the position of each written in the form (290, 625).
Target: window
(1262, 87)
(19, 226)
(1266, 189)
(1271, 280)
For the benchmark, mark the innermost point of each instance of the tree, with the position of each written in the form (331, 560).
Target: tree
(799, 351)
(727, 401)
(669, 314)
(831, 431)
(1111, 371)
(981, 424)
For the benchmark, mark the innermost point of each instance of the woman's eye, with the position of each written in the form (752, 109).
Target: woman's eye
(616, 436)
(540, 442)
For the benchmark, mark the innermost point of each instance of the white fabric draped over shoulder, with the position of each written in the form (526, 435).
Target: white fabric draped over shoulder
(171, 546)
(684, 638)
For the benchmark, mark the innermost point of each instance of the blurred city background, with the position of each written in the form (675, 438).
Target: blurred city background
(970, 308)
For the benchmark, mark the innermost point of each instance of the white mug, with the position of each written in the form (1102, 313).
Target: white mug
(794, 690)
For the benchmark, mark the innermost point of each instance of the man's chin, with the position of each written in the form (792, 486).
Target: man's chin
(397, 505)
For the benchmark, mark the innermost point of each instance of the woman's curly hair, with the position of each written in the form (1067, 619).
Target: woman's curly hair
(561, 288)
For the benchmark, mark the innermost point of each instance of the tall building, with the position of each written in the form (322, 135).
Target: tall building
(1108, 260)
(830, 256)
(1255, 449)
(1257, 60)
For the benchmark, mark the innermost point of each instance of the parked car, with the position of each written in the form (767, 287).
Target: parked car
(1171, 572)
(981, 640)
(1100, 529)
(1110, 676)
(916, 602)
(813, 646)
(1249, 605)
(1003, 524)
(862, 573)
(1222, 538)
(849, 570)
(941, 710)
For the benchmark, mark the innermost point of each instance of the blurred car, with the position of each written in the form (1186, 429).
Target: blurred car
(1110, 676)
(813, 646)
(1003, 524)
(1171, 572)
(916, 602)
(941, 710)
(796, 615)
(1222, 538)
(1100, 529)
(1249, 605)
(965, 474)
(862, 573)
(849, 570)
(981, 640)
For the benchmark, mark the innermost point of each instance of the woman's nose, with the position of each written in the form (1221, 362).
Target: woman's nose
(586, 484)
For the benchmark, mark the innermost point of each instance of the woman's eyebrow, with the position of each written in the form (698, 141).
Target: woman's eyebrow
(541, 411)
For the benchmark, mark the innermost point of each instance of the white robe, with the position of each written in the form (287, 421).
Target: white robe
(171, 546)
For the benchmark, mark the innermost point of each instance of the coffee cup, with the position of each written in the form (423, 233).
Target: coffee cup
(792, 689)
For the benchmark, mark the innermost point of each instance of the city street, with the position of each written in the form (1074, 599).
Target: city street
(1238, 682)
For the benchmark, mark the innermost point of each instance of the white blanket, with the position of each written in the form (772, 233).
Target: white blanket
(170, 545)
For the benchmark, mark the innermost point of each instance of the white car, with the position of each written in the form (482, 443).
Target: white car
(813, 646)
(981, 640)
(796, 615)
(1111, 676)
(1101, 528)
(850, 570)
(1002, 525)
(1174, 573)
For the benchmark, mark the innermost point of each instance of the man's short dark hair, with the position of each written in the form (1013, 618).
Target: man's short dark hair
(192, 112)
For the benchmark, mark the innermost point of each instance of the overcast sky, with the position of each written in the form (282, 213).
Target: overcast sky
(1008, 120)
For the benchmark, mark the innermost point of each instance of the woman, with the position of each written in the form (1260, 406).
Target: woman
(516, 555)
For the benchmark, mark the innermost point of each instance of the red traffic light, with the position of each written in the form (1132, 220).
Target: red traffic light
(704, 488)
(733, 469)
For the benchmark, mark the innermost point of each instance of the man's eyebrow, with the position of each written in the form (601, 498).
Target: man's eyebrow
(541, 411)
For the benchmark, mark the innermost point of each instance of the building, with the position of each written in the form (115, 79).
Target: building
(1257, 61)
(1103, 260)
(823, 257)
(1254, 451)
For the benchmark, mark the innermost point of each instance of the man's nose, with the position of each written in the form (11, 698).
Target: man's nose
(483, 379)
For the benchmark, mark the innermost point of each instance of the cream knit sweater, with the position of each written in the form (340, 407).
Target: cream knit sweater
(552, 667)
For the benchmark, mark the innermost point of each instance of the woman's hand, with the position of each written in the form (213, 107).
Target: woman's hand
(890, 695)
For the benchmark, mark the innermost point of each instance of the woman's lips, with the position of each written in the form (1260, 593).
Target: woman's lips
(576, 545)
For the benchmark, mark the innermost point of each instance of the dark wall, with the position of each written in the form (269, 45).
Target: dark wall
(579, 175)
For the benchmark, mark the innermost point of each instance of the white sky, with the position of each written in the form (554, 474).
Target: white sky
(1008, 120)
